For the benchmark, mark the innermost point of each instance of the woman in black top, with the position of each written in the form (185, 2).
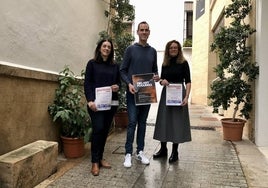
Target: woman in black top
(172, 122)
(101, 71)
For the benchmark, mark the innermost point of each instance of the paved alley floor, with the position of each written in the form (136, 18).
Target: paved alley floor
(206, 161)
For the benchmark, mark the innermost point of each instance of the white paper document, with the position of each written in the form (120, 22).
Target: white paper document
(103, 99)
(174, 95)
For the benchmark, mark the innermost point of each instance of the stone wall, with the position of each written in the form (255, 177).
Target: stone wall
(29, 165)
(24, 97)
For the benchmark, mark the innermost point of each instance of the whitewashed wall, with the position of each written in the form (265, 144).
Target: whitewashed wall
(47, 34)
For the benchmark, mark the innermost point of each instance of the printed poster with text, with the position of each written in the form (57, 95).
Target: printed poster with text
(145, 89)
(103, 98)
(174, 95)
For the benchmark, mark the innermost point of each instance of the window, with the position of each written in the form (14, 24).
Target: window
(188, 24)
(200, 8)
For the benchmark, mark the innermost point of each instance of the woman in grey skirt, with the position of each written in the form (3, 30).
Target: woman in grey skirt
(172, 122)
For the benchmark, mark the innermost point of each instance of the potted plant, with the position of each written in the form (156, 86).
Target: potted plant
(121, 15)
(187, 42)
(121, 116)
(69, 110)
(236, 71)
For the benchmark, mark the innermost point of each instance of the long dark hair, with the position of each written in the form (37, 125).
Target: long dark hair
(98, 57)
(167, 57)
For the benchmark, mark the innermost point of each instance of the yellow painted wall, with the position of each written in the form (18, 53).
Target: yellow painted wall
(200, 50)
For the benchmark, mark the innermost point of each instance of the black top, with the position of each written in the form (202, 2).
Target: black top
(176, 73)
(100, 75)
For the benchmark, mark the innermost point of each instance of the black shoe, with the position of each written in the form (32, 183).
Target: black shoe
(173, 157)
(160, 154)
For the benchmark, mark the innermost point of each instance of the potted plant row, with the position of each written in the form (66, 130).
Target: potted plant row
(69, 111)
(236, 72)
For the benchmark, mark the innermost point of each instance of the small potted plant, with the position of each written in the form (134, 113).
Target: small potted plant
(236, 71)
(121, 116)
(69, 110)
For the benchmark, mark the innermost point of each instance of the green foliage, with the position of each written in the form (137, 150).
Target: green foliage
(236, 72)
(120, 15)
(69, 106)
(187, 43)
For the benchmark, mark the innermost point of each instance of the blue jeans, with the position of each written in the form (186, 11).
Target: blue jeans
(137, 115)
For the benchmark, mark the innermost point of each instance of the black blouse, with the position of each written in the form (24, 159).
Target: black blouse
(100, 75)
(176, 73)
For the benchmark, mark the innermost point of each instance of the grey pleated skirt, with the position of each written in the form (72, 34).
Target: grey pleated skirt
(172, 122)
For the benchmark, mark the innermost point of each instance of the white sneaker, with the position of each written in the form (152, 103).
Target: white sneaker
(141, 157)
(127, 162)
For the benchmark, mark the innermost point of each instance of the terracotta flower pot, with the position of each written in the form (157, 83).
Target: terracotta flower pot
(73, 147)
(121, 119)
(232, 131)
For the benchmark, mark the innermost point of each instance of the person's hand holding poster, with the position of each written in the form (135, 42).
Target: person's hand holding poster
(145, 89)
(103, 98)
(174, 95)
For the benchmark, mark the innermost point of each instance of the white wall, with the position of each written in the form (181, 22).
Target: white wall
(261, 86)
(47, 34)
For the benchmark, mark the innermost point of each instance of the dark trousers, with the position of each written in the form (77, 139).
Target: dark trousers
(101, 123)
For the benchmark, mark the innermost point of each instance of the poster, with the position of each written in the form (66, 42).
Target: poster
(103, 98)
(174, 95)
(145, 89)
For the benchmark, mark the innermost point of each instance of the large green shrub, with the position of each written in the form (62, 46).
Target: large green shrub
(236, 71)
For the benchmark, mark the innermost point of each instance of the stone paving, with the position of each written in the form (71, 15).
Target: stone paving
(207, 161)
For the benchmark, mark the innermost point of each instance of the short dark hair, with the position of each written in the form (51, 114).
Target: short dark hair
(143, 22)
